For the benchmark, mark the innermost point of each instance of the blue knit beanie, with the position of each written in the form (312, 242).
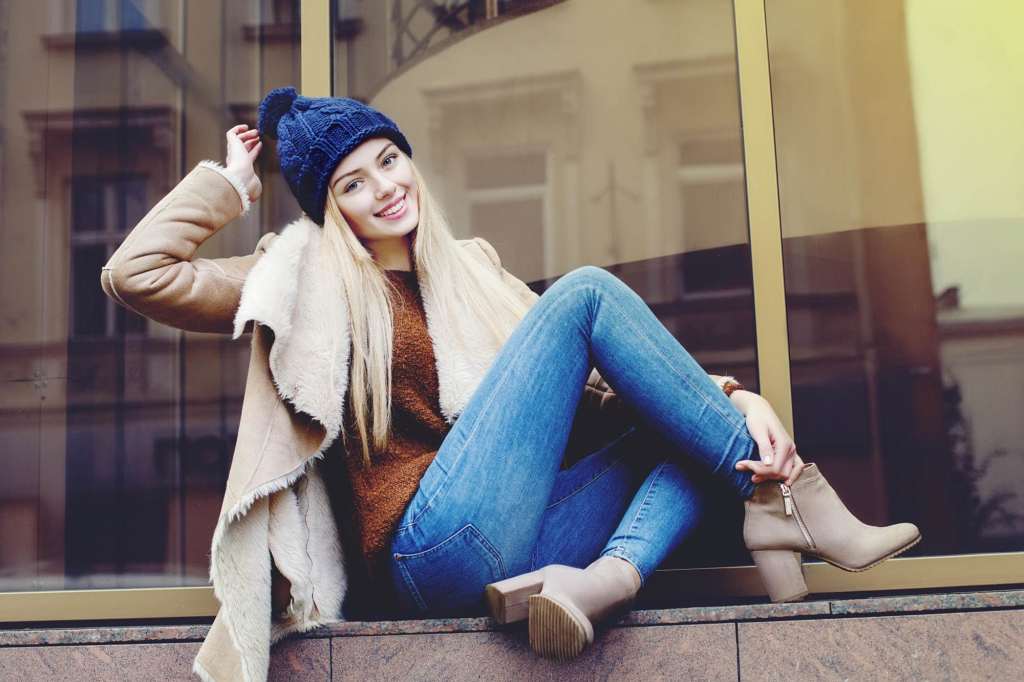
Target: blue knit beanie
(314, 134)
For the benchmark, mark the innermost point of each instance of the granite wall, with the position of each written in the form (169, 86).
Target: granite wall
(970, 636)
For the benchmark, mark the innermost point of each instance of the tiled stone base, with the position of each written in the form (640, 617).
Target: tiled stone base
(971, 636)
(704, 652)
(948, 646)
(297, 659)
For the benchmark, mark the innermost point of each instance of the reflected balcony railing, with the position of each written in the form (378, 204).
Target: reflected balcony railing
(418, 25)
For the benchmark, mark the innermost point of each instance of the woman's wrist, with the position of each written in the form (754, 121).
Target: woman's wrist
(743, 399)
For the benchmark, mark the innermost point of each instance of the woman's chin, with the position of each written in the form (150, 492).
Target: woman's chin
(401, 228)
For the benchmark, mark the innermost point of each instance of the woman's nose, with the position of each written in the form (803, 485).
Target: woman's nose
(385, 188)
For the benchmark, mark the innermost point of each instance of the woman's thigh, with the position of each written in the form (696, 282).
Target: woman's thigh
(589, 499)
(478, 509)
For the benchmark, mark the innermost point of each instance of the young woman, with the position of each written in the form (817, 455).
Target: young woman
(449, 389)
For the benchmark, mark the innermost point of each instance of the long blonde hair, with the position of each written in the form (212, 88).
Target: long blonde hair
(448, 275)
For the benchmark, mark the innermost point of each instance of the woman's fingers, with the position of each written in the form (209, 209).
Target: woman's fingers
(790, 469)
(755, 467)
(764, 444)
(796, 470)
(240, 132)
(243, 142)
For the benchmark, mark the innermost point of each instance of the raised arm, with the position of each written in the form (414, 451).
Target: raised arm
(154, 272)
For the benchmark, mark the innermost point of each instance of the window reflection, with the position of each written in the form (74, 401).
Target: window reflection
(116, 432)
(902, 220)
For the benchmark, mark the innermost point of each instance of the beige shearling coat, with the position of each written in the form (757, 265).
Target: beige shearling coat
(276, 503)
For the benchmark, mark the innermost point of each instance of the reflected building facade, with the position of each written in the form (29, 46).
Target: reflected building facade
(566, 133)
(116, 430)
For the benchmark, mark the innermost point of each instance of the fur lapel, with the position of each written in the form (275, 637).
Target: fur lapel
(287, 291)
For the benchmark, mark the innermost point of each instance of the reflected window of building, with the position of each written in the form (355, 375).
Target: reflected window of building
(103, 211)
(506, 195)
(713, 198)
(112, 15)
(279, 11)
(106, 410)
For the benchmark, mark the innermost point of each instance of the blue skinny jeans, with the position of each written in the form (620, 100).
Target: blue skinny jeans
(495, 501)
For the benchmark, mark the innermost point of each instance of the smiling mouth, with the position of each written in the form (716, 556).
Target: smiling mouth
(392, 209)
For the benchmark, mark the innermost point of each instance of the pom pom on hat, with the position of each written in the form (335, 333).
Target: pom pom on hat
(275, 105)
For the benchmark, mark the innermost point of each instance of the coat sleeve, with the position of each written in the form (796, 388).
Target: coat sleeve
(154, 271)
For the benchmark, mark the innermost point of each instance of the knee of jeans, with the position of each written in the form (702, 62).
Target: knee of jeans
(593, 278)
(592, 275)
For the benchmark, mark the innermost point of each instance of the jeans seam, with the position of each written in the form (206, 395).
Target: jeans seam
(411, 585)
(682, 375)
(647, 496)
(475, 532)
(618, 460)
(490, 401)
(468, 529)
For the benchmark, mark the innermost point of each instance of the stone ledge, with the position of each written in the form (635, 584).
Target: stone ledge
(874, 606)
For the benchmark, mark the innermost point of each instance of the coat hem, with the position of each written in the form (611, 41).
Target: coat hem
(201, 672)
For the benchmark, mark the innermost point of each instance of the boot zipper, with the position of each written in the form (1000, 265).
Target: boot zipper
(791, 510)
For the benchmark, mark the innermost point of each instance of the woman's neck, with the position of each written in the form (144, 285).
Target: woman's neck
(392, 254)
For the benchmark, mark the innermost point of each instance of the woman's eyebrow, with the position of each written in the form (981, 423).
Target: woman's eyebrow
(356, 170)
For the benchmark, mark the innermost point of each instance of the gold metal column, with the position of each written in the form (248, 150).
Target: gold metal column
(315, 46)
(763, 206)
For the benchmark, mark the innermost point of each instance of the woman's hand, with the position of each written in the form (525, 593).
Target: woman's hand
(243, 147)
(779, 459)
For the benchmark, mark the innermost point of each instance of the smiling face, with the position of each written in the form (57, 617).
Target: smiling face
(377, 193)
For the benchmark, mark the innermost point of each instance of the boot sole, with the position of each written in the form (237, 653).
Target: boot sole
(557, 631)
(899, 551)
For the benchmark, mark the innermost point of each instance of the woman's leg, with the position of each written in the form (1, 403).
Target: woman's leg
(480, 506)
(639, 507)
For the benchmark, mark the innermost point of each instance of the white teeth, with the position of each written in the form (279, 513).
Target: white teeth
(394, 209)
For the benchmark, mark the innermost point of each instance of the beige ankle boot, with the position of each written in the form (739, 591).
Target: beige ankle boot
(563, 603)
(782, 522)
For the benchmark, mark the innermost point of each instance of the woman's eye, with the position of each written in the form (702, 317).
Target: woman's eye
(350, 186)
(389, 158)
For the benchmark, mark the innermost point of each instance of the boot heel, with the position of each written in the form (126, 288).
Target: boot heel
(782, 574)
(509, 599)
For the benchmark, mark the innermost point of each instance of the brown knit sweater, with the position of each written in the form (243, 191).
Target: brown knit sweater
(382, 492)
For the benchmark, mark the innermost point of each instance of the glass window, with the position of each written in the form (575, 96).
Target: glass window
(898, 151)
(567, 133)
(112, 15)
(116, 431)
